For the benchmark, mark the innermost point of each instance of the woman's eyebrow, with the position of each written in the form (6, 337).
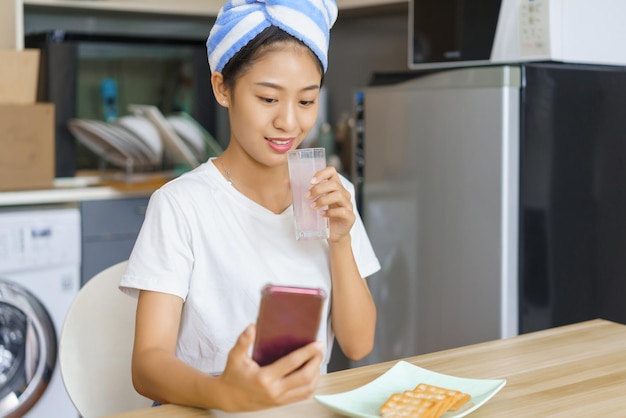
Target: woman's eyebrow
(278, 87)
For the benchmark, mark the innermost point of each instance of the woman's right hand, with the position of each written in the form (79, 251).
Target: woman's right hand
(247, 386)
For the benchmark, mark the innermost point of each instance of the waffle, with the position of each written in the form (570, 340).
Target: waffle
(425, 401)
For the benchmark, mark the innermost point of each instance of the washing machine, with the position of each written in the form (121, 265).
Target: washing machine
(39, 278)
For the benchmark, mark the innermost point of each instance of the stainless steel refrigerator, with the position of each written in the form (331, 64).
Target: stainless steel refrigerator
(495, 198)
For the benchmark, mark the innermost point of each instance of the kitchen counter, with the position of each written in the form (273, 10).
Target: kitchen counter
(82, 188)
(576, 370)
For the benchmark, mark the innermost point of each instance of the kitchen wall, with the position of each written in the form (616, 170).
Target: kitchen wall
(8, 20)
(362, 43)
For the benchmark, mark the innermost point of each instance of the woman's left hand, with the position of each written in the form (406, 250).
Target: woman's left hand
(327, 190)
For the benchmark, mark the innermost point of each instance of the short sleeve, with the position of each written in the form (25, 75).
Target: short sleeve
(162, 258)
(364, 254)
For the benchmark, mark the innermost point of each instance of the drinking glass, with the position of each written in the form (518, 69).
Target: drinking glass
(303, 164)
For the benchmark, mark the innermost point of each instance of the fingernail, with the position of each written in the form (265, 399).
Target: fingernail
(314, 180)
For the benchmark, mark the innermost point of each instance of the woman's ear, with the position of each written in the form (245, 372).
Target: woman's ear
(220, 90)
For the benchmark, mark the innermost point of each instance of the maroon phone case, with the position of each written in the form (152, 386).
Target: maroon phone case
(289, 317)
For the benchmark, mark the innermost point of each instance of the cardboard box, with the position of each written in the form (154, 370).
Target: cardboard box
(26, 146)
(19, 72)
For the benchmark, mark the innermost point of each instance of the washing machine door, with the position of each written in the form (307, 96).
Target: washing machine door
(28, 349)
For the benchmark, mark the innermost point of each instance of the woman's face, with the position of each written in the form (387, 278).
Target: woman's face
(274, 103)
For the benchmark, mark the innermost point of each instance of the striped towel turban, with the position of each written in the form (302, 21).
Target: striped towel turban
(239, 21)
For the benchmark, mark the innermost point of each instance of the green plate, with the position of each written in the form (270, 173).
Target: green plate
(364, 402)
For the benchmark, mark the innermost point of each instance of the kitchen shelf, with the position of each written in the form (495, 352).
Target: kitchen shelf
(83, 188)
(359, 4)
(179, 7)
(54, 196)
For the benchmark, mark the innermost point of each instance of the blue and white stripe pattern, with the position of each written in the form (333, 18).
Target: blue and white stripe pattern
(239, 21)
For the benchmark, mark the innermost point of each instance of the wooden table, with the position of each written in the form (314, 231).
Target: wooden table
(576, 370)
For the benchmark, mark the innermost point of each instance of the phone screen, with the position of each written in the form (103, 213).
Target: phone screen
(289, 318)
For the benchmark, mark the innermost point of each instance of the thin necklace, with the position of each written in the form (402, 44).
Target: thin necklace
(229, 178)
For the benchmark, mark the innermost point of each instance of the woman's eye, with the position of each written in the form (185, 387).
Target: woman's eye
(267, 99)
(307, 102)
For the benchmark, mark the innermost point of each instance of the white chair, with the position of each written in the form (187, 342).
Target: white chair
(96, 345)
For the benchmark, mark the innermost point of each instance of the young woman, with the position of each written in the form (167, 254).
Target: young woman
(214, 236)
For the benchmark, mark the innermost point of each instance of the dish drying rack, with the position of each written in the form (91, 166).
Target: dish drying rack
(175, 153)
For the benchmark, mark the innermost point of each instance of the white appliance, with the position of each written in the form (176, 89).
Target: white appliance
(39, 278)
(452, 33)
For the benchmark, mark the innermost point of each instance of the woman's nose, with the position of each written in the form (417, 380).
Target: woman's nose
(286, 117)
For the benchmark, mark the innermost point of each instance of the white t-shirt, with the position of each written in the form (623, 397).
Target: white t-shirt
(207, 243)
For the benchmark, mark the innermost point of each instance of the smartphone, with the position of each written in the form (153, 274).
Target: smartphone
(289, 318)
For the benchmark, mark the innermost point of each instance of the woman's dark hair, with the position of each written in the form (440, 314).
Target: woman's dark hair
(247, 55)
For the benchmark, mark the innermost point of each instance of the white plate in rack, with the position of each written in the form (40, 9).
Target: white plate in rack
(134, 147)
(91, 136)
(195, 135)
(145, 130)
(174, 146)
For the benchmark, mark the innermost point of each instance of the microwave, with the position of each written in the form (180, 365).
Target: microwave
(453, 33)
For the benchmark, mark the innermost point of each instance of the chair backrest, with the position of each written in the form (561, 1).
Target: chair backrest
(96, 346)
